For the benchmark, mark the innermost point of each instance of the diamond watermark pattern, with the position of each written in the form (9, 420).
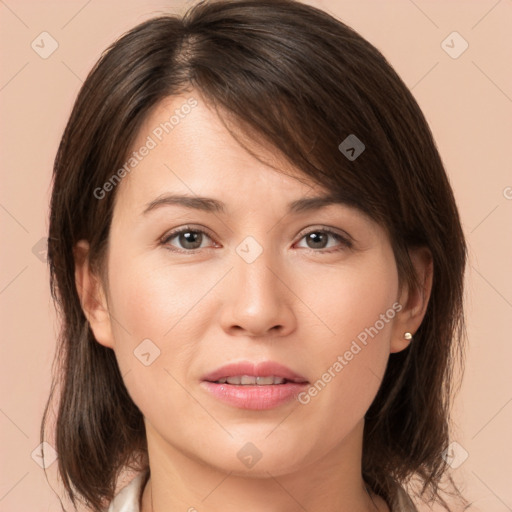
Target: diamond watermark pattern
(454, 45)
(44, 45)
(40, 249)
(146, 352)
(249, 455)
(249, 249)
(454, 455)
(351, 147)
(50, 455)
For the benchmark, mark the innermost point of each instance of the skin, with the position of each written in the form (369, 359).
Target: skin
(296, 304)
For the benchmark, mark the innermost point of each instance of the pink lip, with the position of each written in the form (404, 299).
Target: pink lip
(254, 397)
(264, 369)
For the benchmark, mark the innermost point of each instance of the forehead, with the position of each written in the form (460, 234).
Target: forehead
(183, 147)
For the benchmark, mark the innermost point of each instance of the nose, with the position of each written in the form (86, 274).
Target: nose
(259, 300)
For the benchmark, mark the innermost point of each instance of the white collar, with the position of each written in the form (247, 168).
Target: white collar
(127, 499)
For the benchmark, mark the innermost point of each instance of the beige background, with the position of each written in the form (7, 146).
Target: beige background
(467, 101)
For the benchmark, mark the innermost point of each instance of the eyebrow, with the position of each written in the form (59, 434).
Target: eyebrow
(211, 205)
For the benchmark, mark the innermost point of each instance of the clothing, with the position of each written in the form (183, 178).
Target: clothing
(128, 498)
(403, 503)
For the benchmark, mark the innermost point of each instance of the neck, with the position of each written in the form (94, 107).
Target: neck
(180, 481)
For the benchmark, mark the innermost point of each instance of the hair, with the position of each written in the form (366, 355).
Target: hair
(302, 82)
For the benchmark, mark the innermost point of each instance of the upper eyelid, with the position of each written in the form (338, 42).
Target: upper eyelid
(178, 231)
(334, 231)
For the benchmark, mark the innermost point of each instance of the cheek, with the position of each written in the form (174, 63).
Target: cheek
(151, 345)
(351, 300)
(152, 299)
(350, 360)
(157, 318)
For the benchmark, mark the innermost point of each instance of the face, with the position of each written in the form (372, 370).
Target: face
(194, 285)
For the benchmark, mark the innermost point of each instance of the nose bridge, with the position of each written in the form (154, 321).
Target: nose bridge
(259, 301)
(255, 274)
(258, 276)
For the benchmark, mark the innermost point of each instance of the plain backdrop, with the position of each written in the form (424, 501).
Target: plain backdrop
(466, 95)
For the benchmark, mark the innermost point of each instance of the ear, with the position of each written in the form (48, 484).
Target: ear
(92, 296)
(414, 299)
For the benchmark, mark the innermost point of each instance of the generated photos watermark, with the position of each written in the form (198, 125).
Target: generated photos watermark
(343, 360)
(152, 141)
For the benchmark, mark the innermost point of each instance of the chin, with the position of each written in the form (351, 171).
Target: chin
(258, 458)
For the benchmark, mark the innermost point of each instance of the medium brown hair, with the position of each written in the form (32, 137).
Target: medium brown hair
(303, 82)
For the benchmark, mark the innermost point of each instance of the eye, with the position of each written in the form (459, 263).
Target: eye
(319, 239)
(188, 238)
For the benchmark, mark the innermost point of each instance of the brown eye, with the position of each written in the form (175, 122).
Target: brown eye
(187, 239)
(319, 239)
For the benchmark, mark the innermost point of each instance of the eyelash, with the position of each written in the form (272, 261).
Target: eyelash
(345, 242)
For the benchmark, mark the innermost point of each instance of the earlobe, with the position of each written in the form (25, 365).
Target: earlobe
(414, 299)
(92, 295)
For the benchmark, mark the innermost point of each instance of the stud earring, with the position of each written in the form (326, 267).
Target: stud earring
(408, 336)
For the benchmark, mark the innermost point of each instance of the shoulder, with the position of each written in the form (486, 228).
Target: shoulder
(128, 498)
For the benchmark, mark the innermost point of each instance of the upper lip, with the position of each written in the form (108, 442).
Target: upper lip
(263, 369)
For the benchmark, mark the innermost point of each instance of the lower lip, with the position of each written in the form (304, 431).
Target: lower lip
(255, 397)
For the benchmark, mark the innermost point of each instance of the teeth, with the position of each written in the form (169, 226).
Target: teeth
(264, 381)
(250, 380)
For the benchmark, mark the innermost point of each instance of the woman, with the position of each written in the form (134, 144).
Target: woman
(259, 265)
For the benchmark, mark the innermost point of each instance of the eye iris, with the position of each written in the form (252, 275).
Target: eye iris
(318, 239)
(190, 237)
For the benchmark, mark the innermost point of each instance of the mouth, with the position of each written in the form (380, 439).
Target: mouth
(252, 380)
(256, 387)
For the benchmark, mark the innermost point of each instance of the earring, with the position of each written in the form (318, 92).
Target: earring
(408, 336)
